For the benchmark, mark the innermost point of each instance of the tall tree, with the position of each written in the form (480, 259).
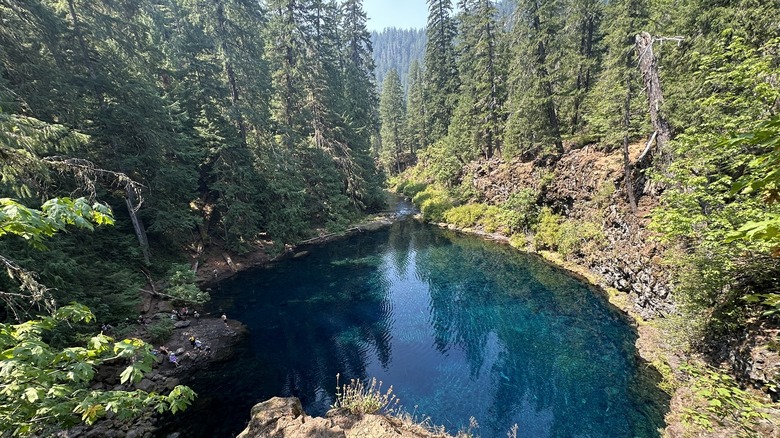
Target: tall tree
(534, 125)
(441, 75)
(480, 111)
(416, 104)
(392, 112)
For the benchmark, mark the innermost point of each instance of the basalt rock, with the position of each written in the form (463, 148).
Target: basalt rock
(284, 418)
(588, 186)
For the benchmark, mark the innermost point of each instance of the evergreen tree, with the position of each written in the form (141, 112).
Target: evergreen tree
(479, 118)
(392, 112)
(535, 82)
(441, 75)
(416, 132)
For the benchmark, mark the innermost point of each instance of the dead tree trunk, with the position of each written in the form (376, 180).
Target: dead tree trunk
(629, 179)
(648, 66)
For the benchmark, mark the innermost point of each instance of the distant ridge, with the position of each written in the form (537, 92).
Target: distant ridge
(397, 48)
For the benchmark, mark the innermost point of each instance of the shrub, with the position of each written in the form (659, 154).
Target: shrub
(548, 230)
(433, 203)
(575, 236)
(358, 398)
(182, 287)
(522, 211)
(160, 331)
(411, 188)
(465, 215)
(493, 219)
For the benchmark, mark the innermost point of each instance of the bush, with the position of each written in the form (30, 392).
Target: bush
(160, 331)
(575, 236)
(493, 219)
(522, 211)
(182, 287)
(465, 215)
(433, 203)
(548, 230)
(360, 399)
(411, 188)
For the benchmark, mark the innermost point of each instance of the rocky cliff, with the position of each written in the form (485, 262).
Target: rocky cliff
(284, 418)
(587, 184)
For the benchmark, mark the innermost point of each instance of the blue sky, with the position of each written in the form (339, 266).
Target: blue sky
(403, 14)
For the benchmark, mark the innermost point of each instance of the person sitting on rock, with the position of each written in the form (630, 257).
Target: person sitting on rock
(224, 319)
(196, 315)
(192, 340)
(172, 358)
(197, 344)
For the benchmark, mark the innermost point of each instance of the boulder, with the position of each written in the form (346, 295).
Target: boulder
(181, 324)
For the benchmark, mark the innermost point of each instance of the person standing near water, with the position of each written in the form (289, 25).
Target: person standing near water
(224, 319)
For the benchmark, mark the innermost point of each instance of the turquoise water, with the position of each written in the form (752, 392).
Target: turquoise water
(460, 328)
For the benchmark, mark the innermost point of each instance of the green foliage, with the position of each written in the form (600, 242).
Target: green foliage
(444, 160)
(54, 216)
(579, 237)
(410, 188)
(432, 202)
(360, 398)
(182, 288)
(548, 230)
(720, 400)
(522, 210)
(43, 387)
(161, 330)
(465, 216)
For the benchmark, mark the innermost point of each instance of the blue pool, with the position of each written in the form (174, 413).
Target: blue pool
(459, 326)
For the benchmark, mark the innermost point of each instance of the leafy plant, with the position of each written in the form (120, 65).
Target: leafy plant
(721, 400)
(160, 331)
(182, 287)
(43, 387)
(465, 215)
(522, 210)
(548, 230)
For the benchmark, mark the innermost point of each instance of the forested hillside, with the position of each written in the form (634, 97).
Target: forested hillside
(397, 49)
(222, 122)
(636, 138)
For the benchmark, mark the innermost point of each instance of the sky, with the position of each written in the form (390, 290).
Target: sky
(403, 14)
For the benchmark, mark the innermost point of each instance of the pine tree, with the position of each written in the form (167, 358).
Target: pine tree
(479, 118)
(441, 76)
(392, 112)
(534, 125)
(416, 132)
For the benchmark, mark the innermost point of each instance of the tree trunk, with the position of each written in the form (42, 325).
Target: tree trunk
(629, 179)
(648, 65)
(138, 225)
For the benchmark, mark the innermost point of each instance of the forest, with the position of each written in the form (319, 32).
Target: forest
(134, 133)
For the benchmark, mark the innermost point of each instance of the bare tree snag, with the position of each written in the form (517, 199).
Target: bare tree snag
(138, 225)
(648, 66)
(629, 179)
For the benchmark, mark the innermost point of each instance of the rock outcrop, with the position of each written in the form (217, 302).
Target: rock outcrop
(587, 184)
(284, 418)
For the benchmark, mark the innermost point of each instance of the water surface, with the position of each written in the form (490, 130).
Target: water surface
(460, 328)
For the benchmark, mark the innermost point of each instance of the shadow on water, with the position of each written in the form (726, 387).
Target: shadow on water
(459, 326)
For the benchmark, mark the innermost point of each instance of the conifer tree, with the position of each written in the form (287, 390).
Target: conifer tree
(415, 108)
(534, 125)
(392, 112)
(441, 75)
(479, 118)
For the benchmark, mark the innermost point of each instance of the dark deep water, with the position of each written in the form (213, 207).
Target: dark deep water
(460, 327)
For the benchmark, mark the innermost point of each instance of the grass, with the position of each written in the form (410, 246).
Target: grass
(359, 398)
